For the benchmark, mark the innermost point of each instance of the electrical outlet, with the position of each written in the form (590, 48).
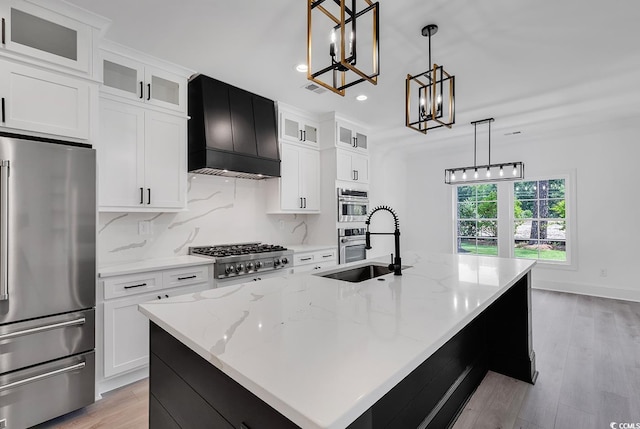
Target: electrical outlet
(603, 272)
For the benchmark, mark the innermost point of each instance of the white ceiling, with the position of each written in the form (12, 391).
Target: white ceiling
(538, 67)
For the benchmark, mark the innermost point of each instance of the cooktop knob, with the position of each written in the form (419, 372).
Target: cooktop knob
(276, 262)
(250, 266)
(239, 268)
(229, 269)
(258, 264)
(285, 261)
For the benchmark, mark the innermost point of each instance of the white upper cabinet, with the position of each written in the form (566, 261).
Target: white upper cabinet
(43, 101)
(140, 81)
(297, 128)
(298, 188)
(351, 166)
(54, 32)
(350, 135)
(141, 159)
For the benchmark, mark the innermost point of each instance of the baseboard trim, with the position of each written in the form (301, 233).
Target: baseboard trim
(587, 289)
(106, 385)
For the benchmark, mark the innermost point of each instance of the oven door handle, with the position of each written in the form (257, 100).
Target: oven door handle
(351, 240)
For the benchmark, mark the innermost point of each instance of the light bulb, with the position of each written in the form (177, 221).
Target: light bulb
(332, 45)
(464, 174)
(515, 170)
(453, 175)
(475, 174)
(501, 171)
(488, 172)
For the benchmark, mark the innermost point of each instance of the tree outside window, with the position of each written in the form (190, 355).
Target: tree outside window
(539, 220)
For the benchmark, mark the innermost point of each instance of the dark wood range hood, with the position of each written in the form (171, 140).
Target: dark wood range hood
(232, 132)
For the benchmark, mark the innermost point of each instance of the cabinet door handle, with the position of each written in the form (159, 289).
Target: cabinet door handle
(306, 259)
(141, 195)
(134, 286)
(148, 91)
(300, 202)
(300, 135)
(4, 42)
(305, 202)
(188, 277)
(141, 90)
(3, 112)
(327, 256)
(148, 195)
(305, 135)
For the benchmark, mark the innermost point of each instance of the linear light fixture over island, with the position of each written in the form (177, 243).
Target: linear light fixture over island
(484, 173)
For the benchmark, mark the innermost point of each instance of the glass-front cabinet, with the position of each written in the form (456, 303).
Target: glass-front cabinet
(43, 34)
(125, 77)
(349, 135)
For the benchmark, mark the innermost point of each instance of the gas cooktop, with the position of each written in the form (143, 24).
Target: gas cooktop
(221, 251)
(234, 260)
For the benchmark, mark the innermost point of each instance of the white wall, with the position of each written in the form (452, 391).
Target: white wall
(220, 210)
(605, 159)
(388, 185)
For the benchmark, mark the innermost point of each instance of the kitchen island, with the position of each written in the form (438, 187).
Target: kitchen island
(313, 352)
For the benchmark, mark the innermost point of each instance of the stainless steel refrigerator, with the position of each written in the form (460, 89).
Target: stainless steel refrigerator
(47, 279)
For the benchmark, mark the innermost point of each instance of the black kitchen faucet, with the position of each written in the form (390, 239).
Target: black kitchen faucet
(396, 264)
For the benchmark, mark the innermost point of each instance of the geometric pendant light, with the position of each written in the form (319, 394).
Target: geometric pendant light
(484, 173)
(343, 42)
(430, 96)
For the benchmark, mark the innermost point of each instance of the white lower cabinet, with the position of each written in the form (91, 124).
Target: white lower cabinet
(141, 159)
(126, 330)
(305, 261)
(42, 101)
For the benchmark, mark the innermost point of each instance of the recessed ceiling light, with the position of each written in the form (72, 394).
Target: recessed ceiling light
(302, 68)
(361, 97)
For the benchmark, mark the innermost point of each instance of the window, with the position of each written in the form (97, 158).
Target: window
(530, 219)
(477, 219)
(539, 220)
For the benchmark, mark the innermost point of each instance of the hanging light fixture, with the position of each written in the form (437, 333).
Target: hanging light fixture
(492, 172)
(433, 106)
(339, 52)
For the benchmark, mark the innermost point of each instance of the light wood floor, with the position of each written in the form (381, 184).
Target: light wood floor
(587, 353)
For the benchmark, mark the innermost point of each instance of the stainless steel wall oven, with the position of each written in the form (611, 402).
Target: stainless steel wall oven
(353, 205)
(351, 245)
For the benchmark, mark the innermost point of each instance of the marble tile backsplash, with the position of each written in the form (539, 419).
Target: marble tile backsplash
(220, 210)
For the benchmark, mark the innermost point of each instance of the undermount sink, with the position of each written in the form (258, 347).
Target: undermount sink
(360, 274)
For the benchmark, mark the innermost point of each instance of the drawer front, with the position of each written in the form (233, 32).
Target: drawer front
(186, 276)
(42, 392)
(27, 343)
(325, 256)
(119, 286)
(303, 259)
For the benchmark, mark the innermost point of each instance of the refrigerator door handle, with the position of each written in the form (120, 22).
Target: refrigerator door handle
(42, 328)
(4, 230)
(41, 376)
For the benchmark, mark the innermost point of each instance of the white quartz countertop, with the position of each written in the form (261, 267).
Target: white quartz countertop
(152, 265)
(310, 248)
(322, 351)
